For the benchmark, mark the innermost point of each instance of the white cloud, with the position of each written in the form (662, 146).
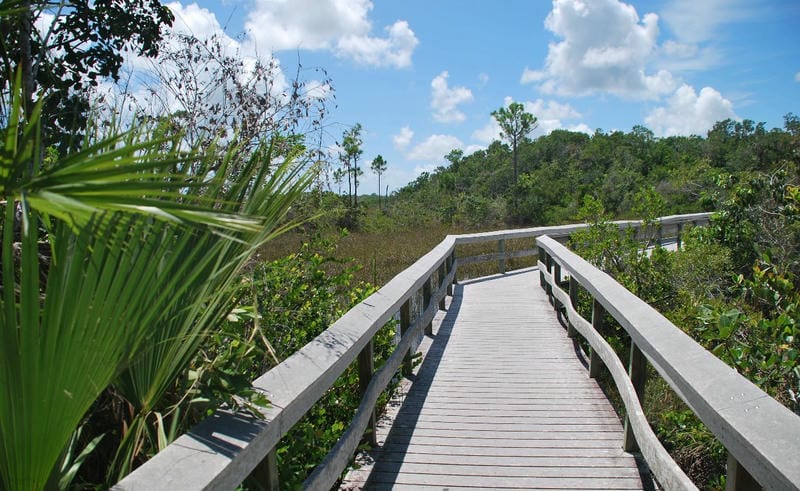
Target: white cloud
(530, 76)
(403, 139)
(195, 20)
(688, 113)
(488, 133)
(341, 26)
(695, 21)
(483, 79)
(605, 47)
(470, 149)
(435, 147)
(797, 77)
(392, 51)
(549, 115)
(445, 100)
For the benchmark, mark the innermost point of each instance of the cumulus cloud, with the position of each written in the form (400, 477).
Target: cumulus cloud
(435, 147)
(341, 26)
(688, 113)
(605, 47)
(488, 132)
(445, 100)
(403, 139)
(530, 76)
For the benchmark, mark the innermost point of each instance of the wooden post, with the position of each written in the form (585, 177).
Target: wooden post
(678, 239)
(405, 325)
(453, 265)
(543, 260)
(738, 477)
(573, 300)
(426, 302)
(637, 370)
(597, 324)
(556, 284)
(265, 476)
(442, 274)
(366, 365)
(449, 268)
(501, 248)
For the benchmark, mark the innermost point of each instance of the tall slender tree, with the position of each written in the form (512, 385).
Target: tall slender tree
(515, 126)
(379, 167)
(351, 145)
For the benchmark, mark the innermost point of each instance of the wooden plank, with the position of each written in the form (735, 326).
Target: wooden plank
(487, 482)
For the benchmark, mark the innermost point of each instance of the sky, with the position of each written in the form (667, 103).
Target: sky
(423, 76)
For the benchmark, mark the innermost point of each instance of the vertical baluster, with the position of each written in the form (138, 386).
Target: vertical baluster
(598, 312)
(426, 302)
(265, 475)
(453, 265)
(449, 267)
(442, 273)
(366, 365)
(738, 478)
(501, 248)
(542, 259)
(556, 284)
(405, 324)
(637, 370)
(573, 300)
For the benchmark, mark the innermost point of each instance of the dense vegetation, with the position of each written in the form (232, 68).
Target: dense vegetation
(90, 198)
(733, 286)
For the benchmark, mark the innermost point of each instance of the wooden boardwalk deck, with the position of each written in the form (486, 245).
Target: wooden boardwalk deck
(501, 401)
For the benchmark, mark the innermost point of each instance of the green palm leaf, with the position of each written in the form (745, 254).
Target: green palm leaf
(139, 235)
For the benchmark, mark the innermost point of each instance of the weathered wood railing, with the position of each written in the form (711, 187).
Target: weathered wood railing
(227, 448)
(761, 435)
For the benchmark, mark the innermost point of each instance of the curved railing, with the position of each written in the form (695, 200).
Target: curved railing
(226, 448)
(761, 435)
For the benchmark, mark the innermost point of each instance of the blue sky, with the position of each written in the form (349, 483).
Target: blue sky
(422, 77)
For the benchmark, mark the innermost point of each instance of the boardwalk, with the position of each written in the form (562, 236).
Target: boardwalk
(501, 401)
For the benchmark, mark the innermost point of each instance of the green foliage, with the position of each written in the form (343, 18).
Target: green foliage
(748, 319)
(297, 297)
(82, 45)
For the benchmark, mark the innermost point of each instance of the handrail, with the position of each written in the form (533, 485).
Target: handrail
(226, 448)
(759, 433)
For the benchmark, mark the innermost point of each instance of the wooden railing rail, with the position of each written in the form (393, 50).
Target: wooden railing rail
(761, 435)
(227, 448)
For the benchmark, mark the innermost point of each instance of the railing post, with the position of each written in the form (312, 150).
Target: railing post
(542, 259)
(265, 475)
(366, 365)
(453, 265)
(738, 478)
(426, 302)
(501, 248)
(442, 274)
(637, 369)
(449, 268)
(556, 270)
(405, 325)
(597, 324)
(678, 238)
(573, 300)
